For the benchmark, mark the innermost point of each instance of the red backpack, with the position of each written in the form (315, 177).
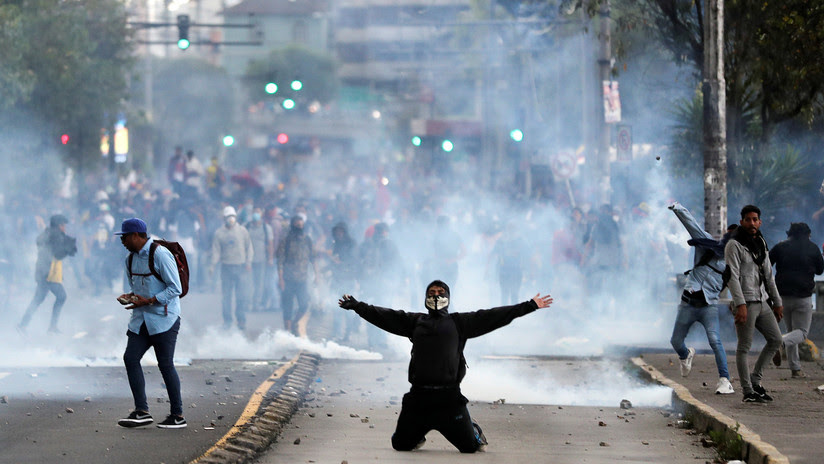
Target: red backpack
(180, 260)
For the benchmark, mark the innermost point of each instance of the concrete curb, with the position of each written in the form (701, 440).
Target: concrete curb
(260, 431)
(705, 418)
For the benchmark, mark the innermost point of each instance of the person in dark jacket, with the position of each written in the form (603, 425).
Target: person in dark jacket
(53, 245)
(437, 365)
(797, 261)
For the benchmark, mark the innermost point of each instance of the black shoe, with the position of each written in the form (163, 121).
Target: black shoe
(760, 391)
(136, 419)
(753, 398)
(479, 435)
(173, 422)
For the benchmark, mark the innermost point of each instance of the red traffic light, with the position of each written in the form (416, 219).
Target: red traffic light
(283, 138)
(64, 139)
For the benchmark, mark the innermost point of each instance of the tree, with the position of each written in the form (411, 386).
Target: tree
(314, 69)
(773, 49)
(63, 67)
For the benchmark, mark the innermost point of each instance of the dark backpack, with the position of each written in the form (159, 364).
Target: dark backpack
(180, 260)
(705, 261)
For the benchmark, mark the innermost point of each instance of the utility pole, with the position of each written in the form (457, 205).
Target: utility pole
(715, 123)
(604, 68)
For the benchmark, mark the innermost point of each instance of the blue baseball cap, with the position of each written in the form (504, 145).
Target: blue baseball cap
(132, 225)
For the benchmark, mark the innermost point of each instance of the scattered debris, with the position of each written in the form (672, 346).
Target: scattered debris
(70, 410)
(364, 420)
(297, 441)
(603, 443)
(602, 424)
(707, 442)
(210, 382)
(4, 399)
(87, 399)
(645, 443)
(626, 404)
(353, 415)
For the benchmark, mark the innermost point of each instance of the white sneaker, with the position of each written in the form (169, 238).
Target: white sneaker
(724, 387)
(686, 364)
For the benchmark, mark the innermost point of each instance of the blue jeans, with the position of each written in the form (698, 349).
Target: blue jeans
(708, 317)
(164, 346)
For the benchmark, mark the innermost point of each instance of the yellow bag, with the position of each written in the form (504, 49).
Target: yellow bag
(55, 272)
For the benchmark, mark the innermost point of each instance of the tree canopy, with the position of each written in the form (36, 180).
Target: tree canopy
(65, 64)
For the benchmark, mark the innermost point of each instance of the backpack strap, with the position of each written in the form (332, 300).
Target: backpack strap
(152, 269)
(704, 261)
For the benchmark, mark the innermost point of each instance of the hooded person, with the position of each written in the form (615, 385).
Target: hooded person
(295, 259)
(53, 245)
(437, 365)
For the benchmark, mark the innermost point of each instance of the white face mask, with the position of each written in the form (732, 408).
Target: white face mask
(436, 303)
(230, 220)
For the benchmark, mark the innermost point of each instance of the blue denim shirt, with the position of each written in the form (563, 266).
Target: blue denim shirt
(160, 317)
(701, 278)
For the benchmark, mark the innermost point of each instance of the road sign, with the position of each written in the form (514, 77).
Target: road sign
(624, 142)
(563, 165)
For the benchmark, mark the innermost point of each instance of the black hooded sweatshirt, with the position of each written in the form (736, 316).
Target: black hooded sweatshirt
(438, 338)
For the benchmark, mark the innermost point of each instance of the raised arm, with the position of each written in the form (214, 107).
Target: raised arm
(689, 222)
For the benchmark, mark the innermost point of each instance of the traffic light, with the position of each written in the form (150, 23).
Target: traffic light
(283, 138)
(64, 139)
(516, 135)
(288, 104)
(271, 88)
(228, 141)
(296, 85)
(416, 141)
(447, 145)
(183, 32)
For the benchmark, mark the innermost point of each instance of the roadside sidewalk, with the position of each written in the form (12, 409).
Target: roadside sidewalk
(788, 430)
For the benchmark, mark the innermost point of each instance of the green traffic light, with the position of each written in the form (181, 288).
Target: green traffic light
(516, 135)
(416, 141)
(271, 88)
(297, 85)
(228, 141)
(183, 44)
(288, 104)
(447, 145)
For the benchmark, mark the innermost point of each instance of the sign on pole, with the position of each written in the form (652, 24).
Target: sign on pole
(624, 143)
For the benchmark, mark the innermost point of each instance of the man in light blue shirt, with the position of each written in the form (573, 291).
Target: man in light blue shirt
(700, 298)
(155, 321)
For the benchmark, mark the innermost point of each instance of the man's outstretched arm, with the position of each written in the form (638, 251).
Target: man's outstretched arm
(391, 320)
(477, 323)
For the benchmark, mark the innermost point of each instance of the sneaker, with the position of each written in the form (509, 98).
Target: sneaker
(724, 387)
(172, 422)
(753, 398)
(686, 364)
(799, 374)
(136, 419)
(779, 355)
(760, 391)
(479, 435)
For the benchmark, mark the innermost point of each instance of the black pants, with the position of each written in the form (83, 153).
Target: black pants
(43, 289)
(441, 410)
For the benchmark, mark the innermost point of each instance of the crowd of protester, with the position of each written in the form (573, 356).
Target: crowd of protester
(381, 234)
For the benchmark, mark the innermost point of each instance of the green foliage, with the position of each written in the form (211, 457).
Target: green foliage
(772, 51)
(316, 70)
(771, 177)
(65, 63)
(729, 444)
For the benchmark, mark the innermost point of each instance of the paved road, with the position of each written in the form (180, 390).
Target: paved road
(69, 414)
(351, 413)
